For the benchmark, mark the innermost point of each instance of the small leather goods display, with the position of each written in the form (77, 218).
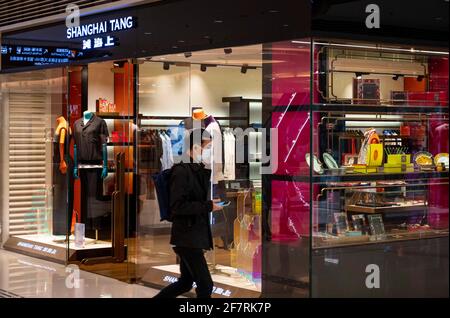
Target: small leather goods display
(375, 155)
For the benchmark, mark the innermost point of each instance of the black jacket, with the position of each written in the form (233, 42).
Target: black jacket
(190, 206)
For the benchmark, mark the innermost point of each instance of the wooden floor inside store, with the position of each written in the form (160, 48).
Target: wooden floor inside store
(143, 253)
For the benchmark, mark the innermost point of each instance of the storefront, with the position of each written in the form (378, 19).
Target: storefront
(331, 147)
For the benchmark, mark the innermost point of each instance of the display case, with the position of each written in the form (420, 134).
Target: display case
(379, 168)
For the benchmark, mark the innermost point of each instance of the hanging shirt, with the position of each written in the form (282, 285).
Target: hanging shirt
(167, 157)
(229, 170)
(213, 128)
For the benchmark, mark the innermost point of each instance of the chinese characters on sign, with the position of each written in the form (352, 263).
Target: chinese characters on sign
(99, 42)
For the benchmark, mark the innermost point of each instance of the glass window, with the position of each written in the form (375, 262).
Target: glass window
(225, 87)
(379, 188)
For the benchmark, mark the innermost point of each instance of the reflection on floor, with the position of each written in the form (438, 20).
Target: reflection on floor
(25, 276)
(227, 275)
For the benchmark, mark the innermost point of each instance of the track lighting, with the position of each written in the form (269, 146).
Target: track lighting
(228, 50)
(245, 68)
(360, 74)
(166, 66)
(187, 54)
(203, 67)
(420, 78)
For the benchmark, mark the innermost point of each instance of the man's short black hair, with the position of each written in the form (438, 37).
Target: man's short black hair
(197, 137)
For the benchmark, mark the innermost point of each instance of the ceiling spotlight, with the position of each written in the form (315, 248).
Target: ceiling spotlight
(203, 67)
(119, 63)
(228, 50)
(360, 74)
(187, 54)
(166, 66)
(396, 77)
(245, 68)
(420, 78)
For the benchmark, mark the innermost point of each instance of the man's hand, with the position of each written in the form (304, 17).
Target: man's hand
(216, 207)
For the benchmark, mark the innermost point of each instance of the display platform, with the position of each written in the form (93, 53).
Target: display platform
(227, 282)
(50, 248)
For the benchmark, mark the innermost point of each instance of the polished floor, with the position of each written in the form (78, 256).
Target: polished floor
(23, 276)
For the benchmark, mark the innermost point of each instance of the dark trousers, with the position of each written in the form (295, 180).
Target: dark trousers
(193, 268)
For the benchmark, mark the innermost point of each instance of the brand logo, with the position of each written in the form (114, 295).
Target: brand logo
(97, 28)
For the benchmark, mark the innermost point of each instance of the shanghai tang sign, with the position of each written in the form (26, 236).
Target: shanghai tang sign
(98, 34)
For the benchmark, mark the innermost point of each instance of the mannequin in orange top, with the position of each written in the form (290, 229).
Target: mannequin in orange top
(62, 193)
(60, 131)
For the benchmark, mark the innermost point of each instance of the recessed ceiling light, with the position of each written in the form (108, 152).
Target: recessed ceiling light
(148, 33)
(218, 21)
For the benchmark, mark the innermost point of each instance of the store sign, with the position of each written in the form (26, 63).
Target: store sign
(34, 55)
(97, 35)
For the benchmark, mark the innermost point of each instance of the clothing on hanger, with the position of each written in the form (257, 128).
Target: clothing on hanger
(229, 171)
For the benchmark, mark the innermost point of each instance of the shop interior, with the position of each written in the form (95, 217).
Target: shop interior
(225, 85)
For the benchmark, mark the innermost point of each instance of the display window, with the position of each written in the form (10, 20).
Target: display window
(221, 91)
(64, 163)
(330, 156)
(380, 163)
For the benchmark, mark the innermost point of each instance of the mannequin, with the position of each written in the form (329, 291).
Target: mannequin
(91, 167)
(62, 193)
(87, 116)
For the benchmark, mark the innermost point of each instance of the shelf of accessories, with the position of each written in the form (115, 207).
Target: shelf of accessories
(325, 241)
(363, 108)
(339, 175)
(387, 109)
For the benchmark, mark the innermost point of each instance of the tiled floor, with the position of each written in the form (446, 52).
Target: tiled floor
(23, 276)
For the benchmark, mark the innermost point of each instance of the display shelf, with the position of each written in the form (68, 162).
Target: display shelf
(329, 176)
(398, 236)
(114, 170)
(118, 117)
(119, 144)
(385, 209)
(386, 109)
